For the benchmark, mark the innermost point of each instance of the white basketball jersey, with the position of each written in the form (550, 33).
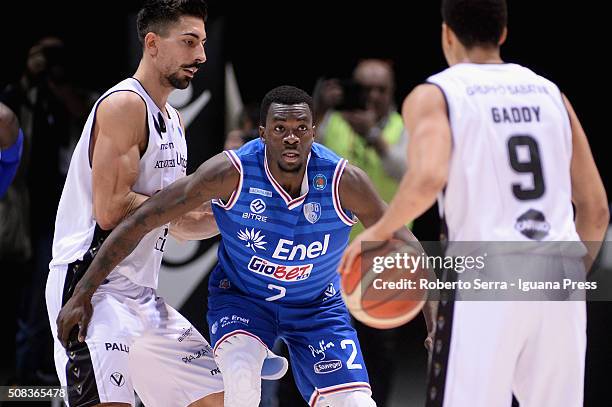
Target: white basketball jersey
(164, 161)
(509, 177)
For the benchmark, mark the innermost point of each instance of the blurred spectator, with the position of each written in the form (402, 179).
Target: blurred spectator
(51, 111)
(248, 123)
(358, 120)
(373, 137)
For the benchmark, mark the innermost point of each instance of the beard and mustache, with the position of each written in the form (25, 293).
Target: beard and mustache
(181, 82)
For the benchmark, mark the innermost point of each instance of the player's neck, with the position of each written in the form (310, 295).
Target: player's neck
(150, 80)
(290, 181)
(478, 55)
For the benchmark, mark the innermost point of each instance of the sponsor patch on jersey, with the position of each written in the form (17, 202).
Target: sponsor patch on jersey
(312, 212)
(330, 291)
(257, 206)
(327, 366)
(533, 225)
(259, 191)
(278, 271)
(319, 182)
(254, 239)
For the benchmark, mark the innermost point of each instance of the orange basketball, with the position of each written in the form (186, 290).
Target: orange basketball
(382, 288)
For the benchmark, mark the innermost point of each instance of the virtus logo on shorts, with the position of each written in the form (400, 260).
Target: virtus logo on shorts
(327, 366)
(117, 379)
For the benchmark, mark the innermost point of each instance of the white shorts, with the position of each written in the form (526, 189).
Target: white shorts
(532, 349)
(135, 341)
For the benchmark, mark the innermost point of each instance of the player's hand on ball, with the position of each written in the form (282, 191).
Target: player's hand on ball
(371, 234)
(76, 312)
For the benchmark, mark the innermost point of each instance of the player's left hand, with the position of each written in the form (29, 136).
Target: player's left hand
(371, 234)
(76, 312)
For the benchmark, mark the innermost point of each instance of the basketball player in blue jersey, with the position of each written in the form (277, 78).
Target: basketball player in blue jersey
(284, 206)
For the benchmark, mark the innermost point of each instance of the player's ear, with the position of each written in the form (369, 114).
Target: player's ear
(262, 132)
(150, 43)
(503, 36)
(446, 34)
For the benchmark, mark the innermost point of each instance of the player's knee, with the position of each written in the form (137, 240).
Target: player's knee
(240, 358)
(356, 398)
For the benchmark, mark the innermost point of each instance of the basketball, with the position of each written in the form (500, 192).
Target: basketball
(377, 288)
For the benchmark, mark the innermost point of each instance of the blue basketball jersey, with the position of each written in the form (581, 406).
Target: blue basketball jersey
(277, 247)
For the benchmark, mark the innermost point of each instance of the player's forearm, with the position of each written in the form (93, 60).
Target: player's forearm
(119, 244)
(168, 204)
(591, 225)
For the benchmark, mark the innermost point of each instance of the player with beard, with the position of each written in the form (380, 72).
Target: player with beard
(132, 146)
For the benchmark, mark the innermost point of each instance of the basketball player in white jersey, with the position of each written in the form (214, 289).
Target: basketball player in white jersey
(132, 146)
(502, 145)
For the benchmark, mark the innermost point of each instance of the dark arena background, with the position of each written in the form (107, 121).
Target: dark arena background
(255, 46)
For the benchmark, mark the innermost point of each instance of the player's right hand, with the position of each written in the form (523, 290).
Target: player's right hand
(76, 312)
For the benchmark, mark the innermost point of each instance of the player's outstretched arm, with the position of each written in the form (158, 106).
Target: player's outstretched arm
(216, 178)
(588, 193)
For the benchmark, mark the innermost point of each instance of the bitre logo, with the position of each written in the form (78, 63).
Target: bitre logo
(257, 206)
(319, 182)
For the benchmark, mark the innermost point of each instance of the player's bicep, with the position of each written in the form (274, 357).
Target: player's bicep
(117, 138)
(358, 195)
(426, 119)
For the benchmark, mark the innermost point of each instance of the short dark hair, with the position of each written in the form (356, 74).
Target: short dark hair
(476, 22)
(155, 15)
(284, 95)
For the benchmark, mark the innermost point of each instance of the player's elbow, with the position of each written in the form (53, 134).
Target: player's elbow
(598, 213)
(432, 180)
(107, 222)
(595, 209)
(106, 217)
